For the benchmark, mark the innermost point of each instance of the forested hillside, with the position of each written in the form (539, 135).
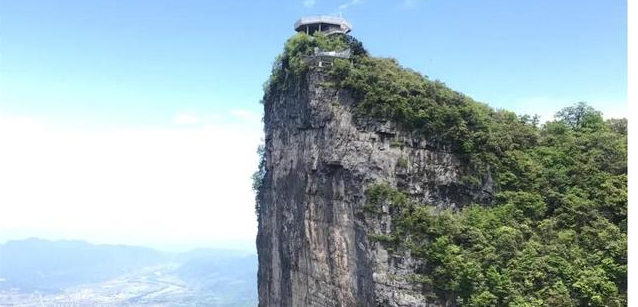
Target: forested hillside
(555, 233)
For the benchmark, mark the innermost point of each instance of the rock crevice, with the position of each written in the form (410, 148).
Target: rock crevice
(313, 239)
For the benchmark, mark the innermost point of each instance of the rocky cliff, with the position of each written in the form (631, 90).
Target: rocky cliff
(380, 187)
(314, 235)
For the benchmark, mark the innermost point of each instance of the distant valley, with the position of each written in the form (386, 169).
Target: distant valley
(36, 272)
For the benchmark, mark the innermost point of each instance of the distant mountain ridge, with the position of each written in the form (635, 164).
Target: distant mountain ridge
(36, 264)
(50, 266)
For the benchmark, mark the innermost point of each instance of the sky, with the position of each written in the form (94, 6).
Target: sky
(137, 122)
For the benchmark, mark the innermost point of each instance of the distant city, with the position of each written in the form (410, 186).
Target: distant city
(37, 273)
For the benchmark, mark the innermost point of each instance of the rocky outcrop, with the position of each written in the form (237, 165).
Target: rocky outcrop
(313, 241)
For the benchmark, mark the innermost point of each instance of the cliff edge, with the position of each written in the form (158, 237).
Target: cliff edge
(313, 242)
(379, 187)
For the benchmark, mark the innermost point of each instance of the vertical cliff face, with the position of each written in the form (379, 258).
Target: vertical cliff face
(314, 240)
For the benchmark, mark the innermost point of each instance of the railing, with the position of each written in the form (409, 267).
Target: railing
(344, 54)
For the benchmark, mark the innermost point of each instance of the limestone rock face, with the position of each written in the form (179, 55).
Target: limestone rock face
(313, 240)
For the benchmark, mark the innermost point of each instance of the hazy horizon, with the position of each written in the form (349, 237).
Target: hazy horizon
(248, 247)
(221, 246)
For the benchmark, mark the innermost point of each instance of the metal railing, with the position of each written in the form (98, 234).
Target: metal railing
(344, 54)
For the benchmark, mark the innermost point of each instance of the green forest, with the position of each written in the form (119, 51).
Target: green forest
(556, 233)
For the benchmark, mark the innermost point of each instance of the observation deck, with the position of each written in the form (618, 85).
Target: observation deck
(324, 24)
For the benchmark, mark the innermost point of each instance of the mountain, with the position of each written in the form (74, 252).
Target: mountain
(380, 187)
(36, 264)
(212, 253)
(66, 272)
(229, 275)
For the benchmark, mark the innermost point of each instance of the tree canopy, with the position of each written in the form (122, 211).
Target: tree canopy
(556, 234)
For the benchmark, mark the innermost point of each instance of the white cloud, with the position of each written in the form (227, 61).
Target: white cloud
(546, 107)
(349, 4)
(309, 3)
(169, 187)
(185, 118)
(245, 114)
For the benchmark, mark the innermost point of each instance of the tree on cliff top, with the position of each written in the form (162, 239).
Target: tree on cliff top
(556, 234)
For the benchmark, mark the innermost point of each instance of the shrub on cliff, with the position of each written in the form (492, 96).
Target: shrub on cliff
(556, 236)
(384, 90)
(292, 62)
(557, 232)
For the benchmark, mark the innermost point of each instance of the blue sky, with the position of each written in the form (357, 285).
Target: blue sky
(159, 99)
(139, 62)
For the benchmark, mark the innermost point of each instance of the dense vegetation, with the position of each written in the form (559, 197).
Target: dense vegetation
(387, 91)
(557, 232)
